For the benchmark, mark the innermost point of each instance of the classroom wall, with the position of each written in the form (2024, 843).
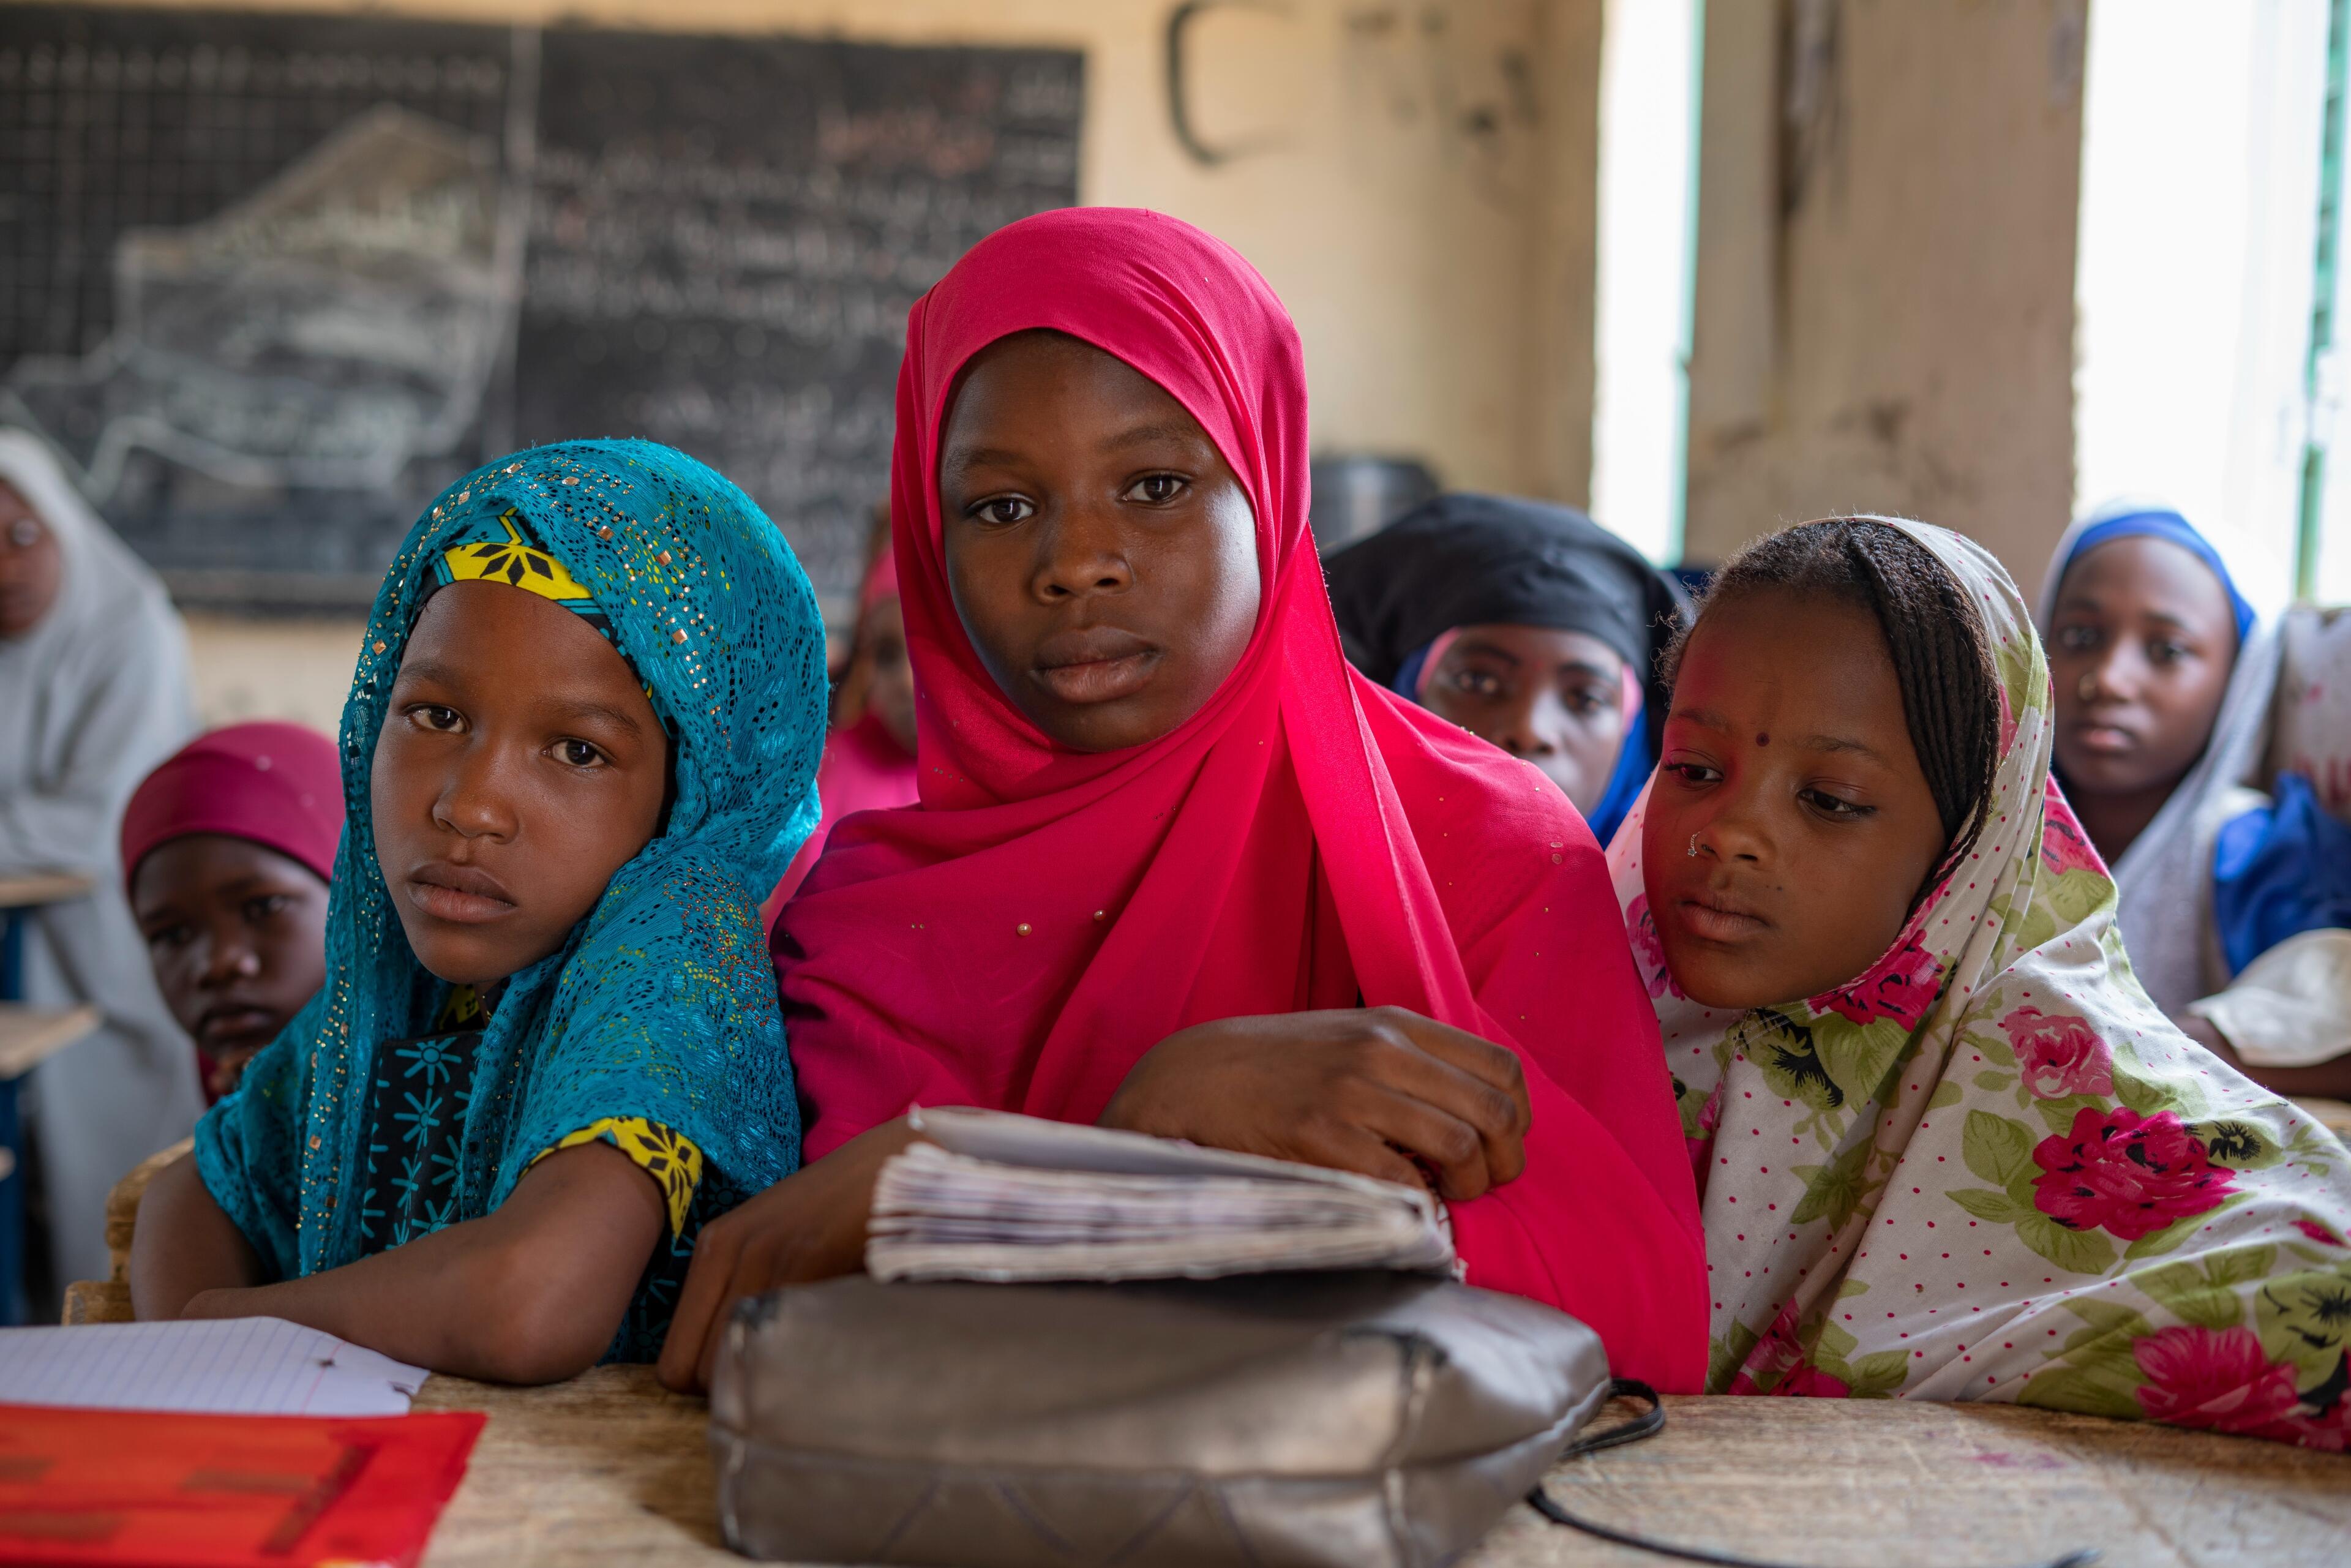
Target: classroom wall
(1883, 317)
(1416, 183)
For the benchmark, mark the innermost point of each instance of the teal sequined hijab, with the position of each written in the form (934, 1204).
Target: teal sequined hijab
(661, 1003)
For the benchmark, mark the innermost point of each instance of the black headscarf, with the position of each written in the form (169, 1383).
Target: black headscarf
(1482, 560)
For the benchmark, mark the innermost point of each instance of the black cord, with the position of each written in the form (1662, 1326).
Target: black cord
(1648, 1424)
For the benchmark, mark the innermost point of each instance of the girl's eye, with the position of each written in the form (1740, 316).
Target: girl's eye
(259, 909)
(1693, 772)
(2077, 639)
(170, 936)
(1585, 701)
(2166, 652)
(579, 753)
(1003, 510)
(1831, 806)
(1476, 683)
(1156, 489)
(440, 720)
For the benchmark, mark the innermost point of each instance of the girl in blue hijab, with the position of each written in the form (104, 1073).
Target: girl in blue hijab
(581, 743)
(2234, 886)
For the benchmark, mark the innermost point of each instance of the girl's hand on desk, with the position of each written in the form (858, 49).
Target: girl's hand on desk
(1354, 1089)
(810, 1226)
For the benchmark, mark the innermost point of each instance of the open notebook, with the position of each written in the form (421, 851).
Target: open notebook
(1006, 1197)
(243, 1366)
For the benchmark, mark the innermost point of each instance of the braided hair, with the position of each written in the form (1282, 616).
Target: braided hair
(1942, 657)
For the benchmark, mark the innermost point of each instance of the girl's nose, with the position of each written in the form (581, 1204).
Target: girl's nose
(1527, 730)
(473, 803)
(2113, 676)
(231, 960)
(1079, 555)
(1734, 834)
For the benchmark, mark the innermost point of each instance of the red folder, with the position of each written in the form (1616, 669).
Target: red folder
(222, 1491)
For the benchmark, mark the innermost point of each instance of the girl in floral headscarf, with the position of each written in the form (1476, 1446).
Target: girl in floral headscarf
(1946, 1148)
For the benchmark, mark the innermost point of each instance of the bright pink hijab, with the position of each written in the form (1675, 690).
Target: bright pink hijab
(1306, 840)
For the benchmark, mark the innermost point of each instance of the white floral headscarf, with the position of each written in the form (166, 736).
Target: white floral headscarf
(1989, 1167)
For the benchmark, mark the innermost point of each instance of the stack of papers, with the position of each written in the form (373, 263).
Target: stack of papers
(1005, 1197)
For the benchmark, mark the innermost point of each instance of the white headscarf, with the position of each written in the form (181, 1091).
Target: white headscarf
(2163, 882)
(90, 699)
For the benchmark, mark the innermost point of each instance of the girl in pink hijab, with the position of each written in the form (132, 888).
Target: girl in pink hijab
(1177, 868)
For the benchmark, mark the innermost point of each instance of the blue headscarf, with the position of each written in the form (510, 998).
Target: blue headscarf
(2127, 520)
(662, 1003)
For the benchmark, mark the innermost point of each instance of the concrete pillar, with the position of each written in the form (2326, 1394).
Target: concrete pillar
(1884, 306)
(1562, 257)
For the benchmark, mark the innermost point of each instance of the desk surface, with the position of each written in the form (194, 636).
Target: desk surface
(42, 887)
(609, 1468)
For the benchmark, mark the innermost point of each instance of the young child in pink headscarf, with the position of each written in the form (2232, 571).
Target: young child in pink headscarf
(227, 848)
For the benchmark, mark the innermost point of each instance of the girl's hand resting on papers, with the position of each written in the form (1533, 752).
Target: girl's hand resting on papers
(1358, 1089)
(810, 1226)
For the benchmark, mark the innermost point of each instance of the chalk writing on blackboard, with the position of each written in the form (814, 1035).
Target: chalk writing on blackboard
(324, 332)
(269, 282)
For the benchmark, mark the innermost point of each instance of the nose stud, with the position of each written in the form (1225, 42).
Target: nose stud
(2087, 686)
(1693, 846)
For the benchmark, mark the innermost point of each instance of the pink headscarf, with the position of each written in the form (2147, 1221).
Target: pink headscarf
(1306, 840)
(278, 784)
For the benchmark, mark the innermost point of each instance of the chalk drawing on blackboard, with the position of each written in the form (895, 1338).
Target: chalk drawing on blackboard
(322, 332)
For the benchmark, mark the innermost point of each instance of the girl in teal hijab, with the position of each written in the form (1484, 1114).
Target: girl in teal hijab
(544, 943)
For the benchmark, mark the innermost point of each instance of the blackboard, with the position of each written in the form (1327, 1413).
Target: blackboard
(269, 282)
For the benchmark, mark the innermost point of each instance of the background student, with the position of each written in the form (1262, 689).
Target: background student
(1946, 1148)
(2165, 680)
(93, 693)
(584, 731)
(1527, 625)
(1177, 868)
(227, 849)
(869, 753)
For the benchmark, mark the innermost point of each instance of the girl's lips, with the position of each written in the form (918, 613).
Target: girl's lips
(2110, 738)
(1713, 922)
(222, 1025)
(454, 904)
(1100, 680)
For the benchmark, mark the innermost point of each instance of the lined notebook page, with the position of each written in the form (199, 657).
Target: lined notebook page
(228, 1367)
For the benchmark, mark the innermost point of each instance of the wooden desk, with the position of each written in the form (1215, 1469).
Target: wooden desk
(608, 1469)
